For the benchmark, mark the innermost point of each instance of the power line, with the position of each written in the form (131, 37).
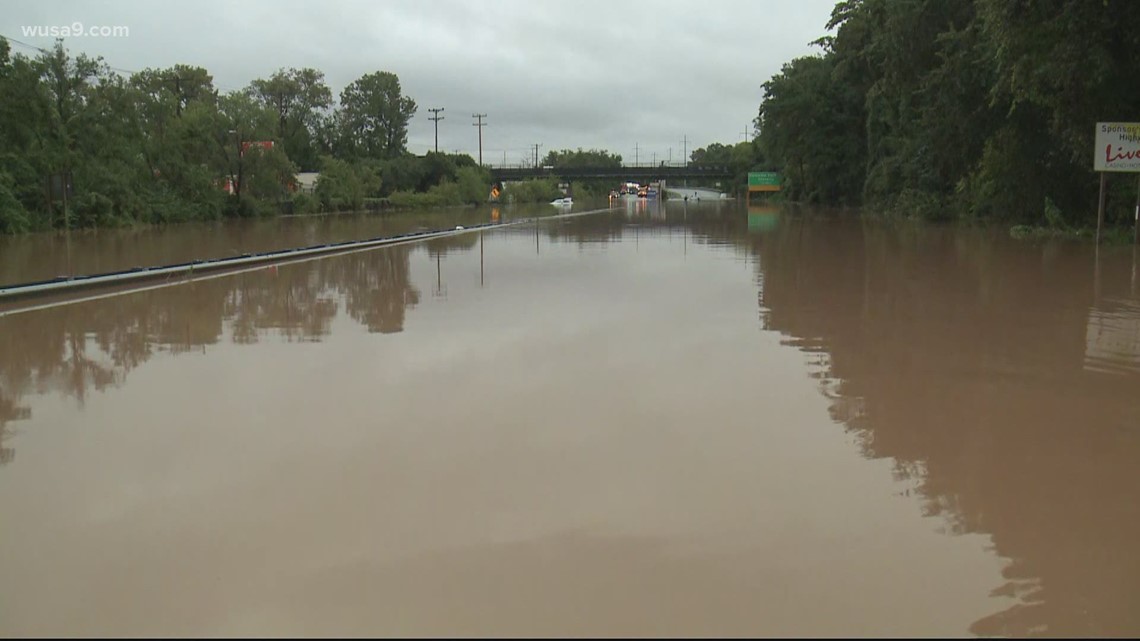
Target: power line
(119, 70)
(48, 51)
(13, 40)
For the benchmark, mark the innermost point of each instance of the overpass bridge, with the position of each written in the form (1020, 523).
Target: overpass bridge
(693, 193)
(635, 172)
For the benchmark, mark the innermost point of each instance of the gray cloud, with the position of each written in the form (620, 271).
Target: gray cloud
(584, 73)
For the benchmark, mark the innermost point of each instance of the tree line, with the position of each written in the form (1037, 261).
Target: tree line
(958, 108)
(83, 145)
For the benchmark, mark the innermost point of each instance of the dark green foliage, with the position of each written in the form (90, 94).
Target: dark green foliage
(939, 108)
(343, 186)
(164, 146)
(532, 191)
(373, 117)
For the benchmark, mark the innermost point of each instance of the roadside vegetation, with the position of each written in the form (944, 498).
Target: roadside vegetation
(959, 109)
(83, 145)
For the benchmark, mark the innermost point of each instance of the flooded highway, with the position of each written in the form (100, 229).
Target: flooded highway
(682, 420)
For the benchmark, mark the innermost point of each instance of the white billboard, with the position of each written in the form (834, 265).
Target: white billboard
(1117, 146)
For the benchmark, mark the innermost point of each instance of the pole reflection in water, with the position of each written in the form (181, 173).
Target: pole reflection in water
(438, 276)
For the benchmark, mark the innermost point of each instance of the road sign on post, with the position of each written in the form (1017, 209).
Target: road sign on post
(763, 181)
(1117, 149)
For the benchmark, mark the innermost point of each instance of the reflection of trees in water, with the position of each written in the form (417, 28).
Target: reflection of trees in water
(10, 411)
(295, 300)
(377, 289)
(75, 349)
(960, 356)
(585, 229)
(53, 352)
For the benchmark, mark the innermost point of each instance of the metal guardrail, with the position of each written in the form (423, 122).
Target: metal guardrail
(192, 268)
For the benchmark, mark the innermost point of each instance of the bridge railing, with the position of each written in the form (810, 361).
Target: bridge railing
(625, 171)
(629, 165)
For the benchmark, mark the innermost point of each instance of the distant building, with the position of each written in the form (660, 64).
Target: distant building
(306, 181)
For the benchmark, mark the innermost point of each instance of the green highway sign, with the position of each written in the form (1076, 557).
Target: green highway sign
(758, 178)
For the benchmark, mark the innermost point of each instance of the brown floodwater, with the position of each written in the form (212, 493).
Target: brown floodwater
(654, 421)
(42, 256)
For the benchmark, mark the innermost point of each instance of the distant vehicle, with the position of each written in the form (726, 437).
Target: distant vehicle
(562, 202)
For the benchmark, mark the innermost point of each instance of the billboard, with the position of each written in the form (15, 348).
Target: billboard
(1117, 147)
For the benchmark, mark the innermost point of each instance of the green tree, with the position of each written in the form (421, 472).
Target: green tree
(299, 97)
(739, 158)
(244, 122)
(373, 118)
(343, 185)
(474, 184)
(809, 127)
(944, 107)
(24, 120)
(402, 173)
(567, 158)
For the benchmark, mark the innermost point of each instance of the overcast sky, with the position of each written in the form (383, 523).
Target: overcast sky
(577, 73)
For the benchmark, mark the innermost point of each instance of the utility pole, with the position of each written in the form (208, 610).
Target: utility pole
(686, 149)
(436, 118)
(480, 125)
(655, 159)
(670, 156)
(536, 146)
(1136, 231)
(635, 151)
(745, 134)
(240, 154)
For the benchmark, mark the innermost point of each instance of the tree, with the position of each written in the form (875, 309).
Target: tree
(583, 158)
(24, 116)
(373, 117)
(943, 107)
(175, 87)
(345, 185)
(244, 120)
(403, 173)
(299, 97)
(807, 126)
(437, 167)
